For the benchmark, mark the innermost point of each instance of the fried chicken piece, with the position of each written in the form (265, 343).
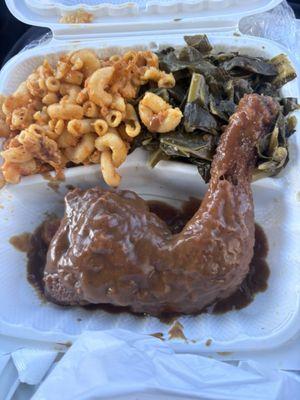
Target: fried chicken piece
(110, 248)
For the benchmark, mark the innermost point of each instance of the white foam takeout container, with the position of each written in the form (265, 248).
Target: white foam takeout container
(271, 319)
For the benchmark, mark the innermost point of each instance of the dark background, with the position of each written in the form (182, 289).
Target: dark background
(14, 35)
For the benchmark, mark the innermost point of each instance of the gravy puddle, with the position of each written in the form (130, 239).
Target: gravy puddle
(255, 281)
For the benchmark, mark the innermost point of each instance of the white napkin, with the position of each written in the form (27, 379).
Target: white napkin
(33, 364)
(118, 364)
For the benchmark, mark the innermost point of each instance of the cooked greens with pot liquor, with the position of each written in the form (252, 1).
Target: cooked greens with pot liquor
(208, 88)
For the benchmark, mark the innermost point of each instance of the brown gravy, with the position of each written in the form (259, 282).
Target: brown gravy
(52, 181)
(256, 280)
(175, 218)
(37, 252)
(21, 242)
(176, 331)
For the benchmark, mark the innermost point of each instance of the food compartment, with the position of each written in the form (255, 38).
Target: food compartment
(23, 313)
(270, 319)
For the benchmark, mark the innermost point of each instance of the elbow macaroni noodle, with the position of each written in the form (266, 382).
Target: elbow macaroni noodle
(79, 111)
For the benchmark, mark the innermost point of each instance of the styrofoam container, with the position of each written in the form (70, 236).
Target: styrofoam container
(116, 17)
(271, 319)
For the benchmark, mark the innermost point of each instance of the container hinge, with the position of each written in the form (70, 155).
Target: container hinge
(178, 26)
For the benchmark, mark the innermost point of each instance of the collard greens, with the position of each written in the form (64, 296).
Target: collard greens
(208, 88)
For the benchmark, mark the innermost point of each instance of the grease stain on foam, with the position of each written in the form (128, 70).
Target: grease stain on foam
(54, 181)
(208, 342)
(176, 331)
(21, 242)
(54, 186)
(63, 346)
(224, 353)
(59, 356)
(158, 335)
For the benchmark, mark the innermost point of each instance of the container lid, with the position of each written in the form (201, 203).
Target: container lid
(113, 17)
